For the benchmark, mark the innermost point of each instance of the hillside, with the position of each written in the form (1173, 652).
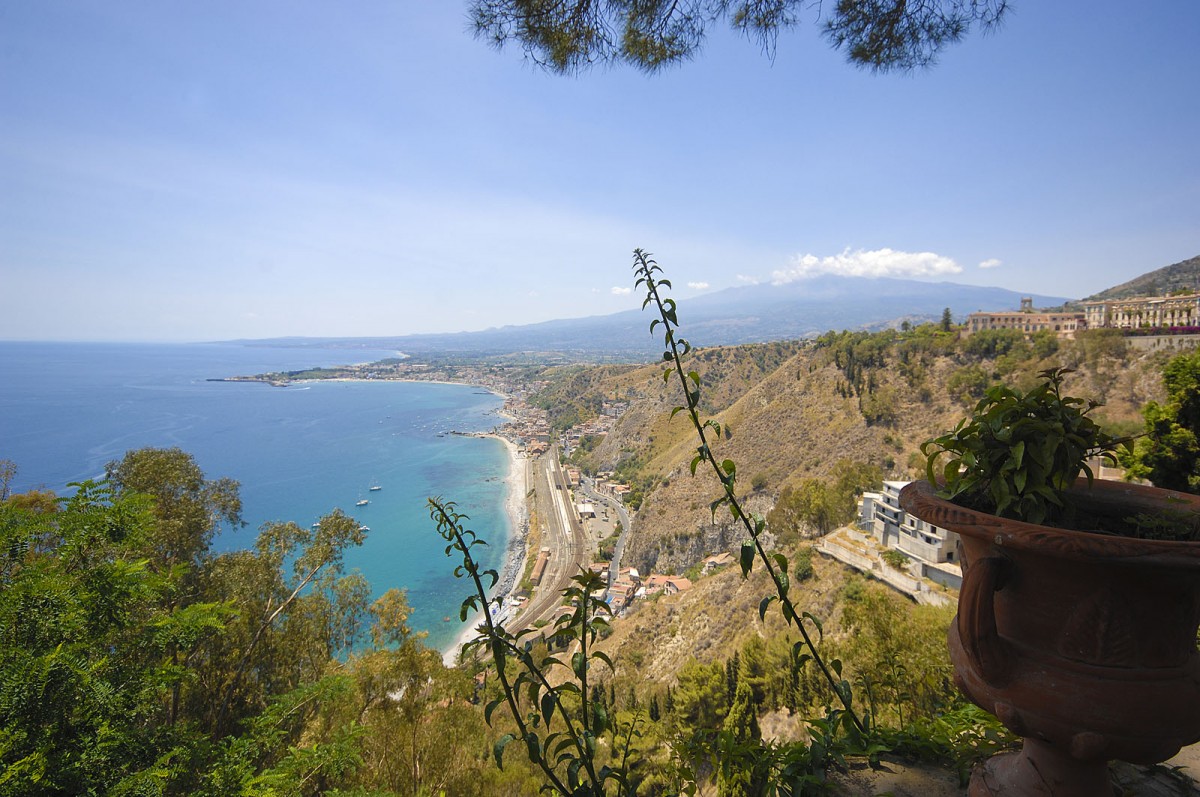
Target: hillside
(862, 398)
(1183, 276)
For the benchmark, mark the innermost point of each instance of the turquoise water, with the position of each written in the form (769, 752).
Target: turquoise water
(298, 452)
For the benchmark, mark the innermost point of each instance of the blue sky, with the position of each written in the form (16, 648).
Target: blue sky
(196, 171)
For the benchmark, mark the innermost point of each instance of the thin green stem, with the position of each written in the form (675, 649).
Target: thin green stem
(495, 635)
(500, 642)
(584, 601)
(645, 269)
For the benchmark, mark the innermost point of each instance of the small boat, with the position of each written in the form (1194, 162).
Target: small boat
(364, 528)
(375, 488)
(362, 502)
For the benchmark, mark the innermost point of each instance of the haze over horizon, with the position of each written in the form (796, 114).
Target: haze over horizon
(228, 171)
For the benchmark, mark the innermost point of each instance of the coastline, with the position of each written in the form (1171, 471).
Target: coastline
(517, 482)
(515, 550)
(262, 379)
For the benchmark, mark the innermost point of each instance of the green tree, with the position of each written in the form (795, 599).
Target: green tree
(733, 667)
(135, 661)
(810, 506)
(822, 506)
(968, 384)
(876, 34)
(883, 406)
(754, 671)
(803, 566)
(189, 508)
(700, 699)
(280, 637)
(8, 472)
(741, 725)
(85, 635)
(994, 342)
(1169, 453)
(898, 651)
(1044, 343)
(947, 320)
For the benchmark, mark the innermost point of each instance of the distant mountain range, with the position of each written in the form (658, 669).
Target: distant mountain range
(746, 314)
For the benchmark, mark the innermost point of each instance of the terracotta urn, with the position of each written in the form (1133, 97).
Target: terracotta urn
(1082, 643)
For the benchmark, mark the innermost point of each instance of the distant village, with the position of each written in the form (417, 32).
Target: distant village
(1167, 315)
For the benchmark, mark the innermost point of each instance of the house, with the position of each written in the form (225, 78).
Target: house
(1147, 311)
(629, 574)
(620, 595)
(933, 550)
(677, 584)
(717, 560)
(668, 585)
(1064, 325)
(880, 514)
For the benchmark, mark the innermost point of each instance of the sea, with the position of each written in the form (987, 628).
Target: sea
(298, 452)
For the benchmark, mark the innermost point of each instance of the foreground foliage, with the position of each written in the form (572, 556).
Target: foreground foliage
(879, 34)
(1168, 454)
(1019, 452)
(134, 660)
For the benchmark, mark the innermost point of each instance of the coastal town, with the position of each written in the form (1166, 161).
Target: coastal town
(565, 521)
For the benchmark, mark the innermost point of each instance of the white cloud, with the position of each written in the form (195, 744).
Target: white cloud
(868, 263)
(698, 286)
(618, 291)
(990, 263)
(747, 279)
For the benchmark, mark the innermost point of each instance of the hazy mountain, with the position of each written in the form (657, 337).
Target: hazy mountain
(744, 314)
(1181, 276)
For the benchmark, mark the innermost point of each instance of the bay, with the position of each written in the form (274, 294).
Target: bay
(298, 452)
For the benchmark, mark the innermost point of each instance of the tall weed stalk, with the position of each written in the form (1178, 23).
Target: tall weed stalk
(776, 564)
(559, 725)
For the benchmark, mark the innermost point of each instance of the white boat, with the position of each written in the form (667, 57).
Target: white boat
(364, 528)
(375, 488)
(362, 502)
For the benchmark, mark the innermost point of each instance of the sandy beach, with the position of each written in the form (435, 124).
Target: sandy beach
(515, 551)
(518, 512)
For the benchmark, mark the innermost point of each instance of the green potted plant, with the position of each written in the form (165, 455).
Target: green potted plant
(1080, 602)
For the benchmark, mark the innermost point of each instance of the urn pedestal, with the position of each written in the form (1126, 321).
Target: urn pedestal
(1082, 643)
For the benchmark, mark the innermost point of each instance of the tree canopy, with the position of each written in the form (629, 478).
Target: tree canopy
(569, 36)
(136, 660)
(1168, 454)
